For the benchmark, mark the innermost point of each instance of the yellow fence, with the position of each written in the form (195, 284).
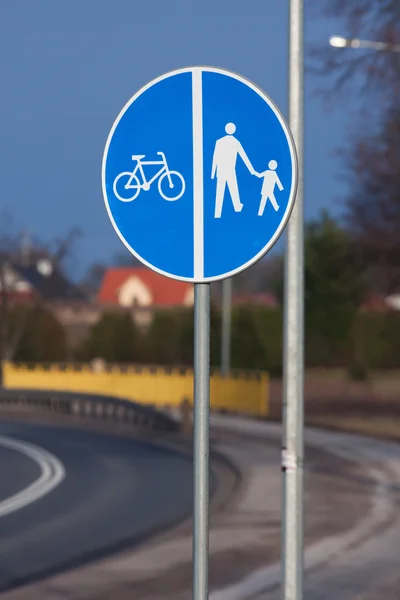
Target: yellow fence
(244, 392)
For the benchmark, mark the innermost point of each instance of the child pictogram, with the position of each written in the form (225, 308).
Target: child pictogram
(271, 179)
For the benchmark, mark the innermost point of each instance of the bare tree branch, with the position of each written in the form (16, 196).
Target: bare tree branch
(62, 249)
(372, 209)
(366, 73)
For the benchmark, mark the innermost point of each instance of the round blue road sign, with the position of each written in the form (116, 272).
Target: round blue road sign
(199, 174)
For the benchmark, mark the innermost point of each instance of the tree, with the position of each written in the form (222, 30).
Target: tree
(186, 336)
(334, 287)
(332, 272)
(91, 282)
(10, 329)
(20, 337)
(374, 73)
(277, 279)
(162, 339)
(373, 206)
(62, 249)
(42, 339)
(125, 259)
(215, 337)
(114, 338)
(248, 350)
(372, 161)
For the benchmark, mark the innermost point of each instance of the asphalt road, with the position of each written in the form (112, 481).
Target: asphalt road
(113, 492)
(352, 528)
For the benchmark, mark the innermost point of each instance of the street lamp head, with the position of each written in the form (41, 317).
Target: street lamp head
(338, 41)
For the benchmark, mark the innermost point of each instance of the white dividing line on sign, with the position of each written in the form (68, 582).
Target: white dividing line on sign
(198, 192)
(52, 474)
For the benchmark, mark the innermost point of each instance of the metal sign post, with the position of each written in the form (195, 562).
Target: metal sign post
(293, 392)
(226, 327)
(201, 434)
(184, 204)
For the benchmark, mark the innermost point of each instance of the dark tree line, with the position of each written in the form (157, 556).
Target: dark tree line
(28, 331)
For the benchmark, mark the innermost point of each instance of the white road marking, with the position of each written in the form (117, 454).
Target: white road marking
(52, 474)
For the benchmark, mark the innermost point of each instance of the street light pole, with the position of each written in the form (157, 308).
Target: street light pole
(293, 392)
(226, 327)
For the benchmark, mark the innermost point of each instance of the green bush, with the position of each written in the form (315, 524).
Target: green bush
(186, 336)
(41, 339)
(114, 338)
(328, 337)
(377, 339)
(248, 339)
(270, 324)
(366, 341)
(162, 344)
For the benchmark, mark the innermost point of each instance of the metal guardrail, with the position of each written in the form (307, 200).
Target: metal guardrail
(103, 408)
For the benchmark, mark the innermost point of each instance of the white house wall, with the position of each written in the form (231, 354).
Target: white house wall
(189, 297)
(133, 292)
(13, 283)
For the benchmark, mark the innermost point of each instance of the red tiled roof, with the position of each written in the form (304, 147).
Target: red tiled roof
(263, 299)
(18, 296)
(165, 292)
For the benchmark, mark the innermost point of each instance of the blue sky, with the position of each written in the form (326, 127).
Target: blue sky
(68, 67)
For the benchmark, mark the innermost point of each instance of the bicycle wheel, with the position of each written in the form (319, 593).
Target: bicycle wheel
(120, 189)
(177, 188)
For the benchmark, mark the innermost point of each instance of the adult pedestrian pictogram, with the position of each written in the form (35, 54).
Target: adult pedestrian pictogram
(227, 149)
(199, 174)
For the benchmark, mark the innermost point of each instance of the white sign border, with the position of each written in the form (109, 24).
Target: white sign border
(293, 155)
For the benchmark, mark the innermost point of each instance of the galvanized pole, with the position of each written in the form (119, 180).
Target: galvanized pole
(201, 439)
(293, 392)
(226, 327)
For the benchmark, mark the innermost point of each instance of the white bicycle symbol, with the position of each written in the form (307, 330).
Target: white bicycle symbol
(127, 186)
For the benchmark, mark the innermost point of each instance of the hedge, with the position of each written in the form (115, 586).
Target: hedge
(370, 340)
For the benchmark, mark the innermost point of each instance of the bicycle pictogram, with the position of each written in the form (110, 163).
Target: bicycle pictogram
(127, 185)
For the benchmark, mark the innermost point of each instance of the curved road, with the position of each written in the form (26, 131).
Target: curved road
(104, 492)
(352, 505)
